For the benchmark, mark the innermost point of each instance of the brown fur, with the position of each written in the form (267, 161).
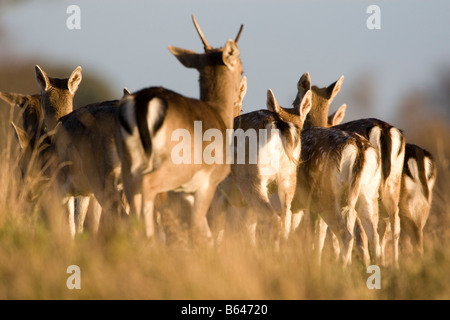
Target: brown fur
(220, 77)
(391, 160)
(31, 110)
(57, 95)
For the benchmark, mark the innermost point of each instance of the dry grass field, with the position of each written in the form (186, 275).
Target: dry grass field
(36, 250)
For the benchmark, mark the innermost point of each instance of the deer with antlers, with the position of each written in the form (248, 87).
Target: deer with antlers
(145, 139)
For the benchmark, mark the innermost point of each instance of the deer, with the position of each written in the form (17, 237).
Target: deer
(272, 167)
(146, 123)
(73, 136)
(338, 172)
(173, 208)
(387, 139)
(227, 196)
(346, 158)
(30, 107)
(416, 194)
(35, 158)
(57, 95)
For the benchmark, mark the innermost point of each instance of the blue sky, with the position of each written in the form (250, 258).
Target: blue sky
(125, 42)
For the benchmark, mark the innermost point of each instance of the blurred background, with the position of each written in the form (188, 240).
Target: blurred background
(399, 73)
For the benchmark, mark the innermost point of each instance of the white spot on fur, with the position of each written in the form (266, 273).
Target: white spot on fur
(347, 162)
(414, 169)
(270, 150)
(418, 204)
(155, 112)
(397, 158)
(371, 174)
(374, 137)
(132, 141)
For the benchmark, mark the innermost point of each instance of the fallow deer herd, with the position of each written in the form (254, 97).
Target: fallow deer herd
(270, 169)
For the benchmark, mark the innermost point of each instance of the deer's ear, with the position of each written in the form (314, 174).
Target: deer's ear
(338, 116)
(21, 136)
(188, 58)
(240, 101)
(14, 99)
(243, 89)
(74, 80)
(305, 105)
(230, 55)
(272, 103)
(42, 79)
(334, 88)
(304, 84)
(126, 92)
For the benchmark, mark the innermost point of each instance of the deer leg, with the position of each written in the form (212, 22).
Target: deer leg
(361, 242)
(320, 235)
(342, 223)
(286, 193)
(217, 214)
(297, 218)
(391, 206)
(382, 228)
(199, 224)
(368, 213)
(133, 192)
(70, 206)
(96, 213)
(335, 244)
(148, 205)
(82, 205)
(268, 222)
(251, 223)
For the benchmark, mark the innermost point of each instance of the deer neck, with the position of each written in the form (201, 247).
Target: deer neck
(55, 107)
(221, 94)
(318, 116)
(315, 120)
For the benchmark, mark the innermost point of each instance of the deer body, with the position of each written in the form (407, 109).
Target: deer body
(388, 140)
(418, 179)
(391, 145)
(83, 142)
(335, 167)
(84, 139)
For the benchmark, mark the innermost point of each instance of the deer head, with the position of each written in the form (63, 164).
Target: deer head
(220, 69)
(57, 95)
(31, 110)
(321, 99)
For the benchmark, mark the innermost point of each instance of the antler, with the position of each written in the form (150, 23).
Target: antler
(239, 33)
(200, 33)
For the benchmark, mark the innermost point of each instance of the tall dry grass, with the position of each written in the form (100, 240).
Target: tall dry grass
(35, 251)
